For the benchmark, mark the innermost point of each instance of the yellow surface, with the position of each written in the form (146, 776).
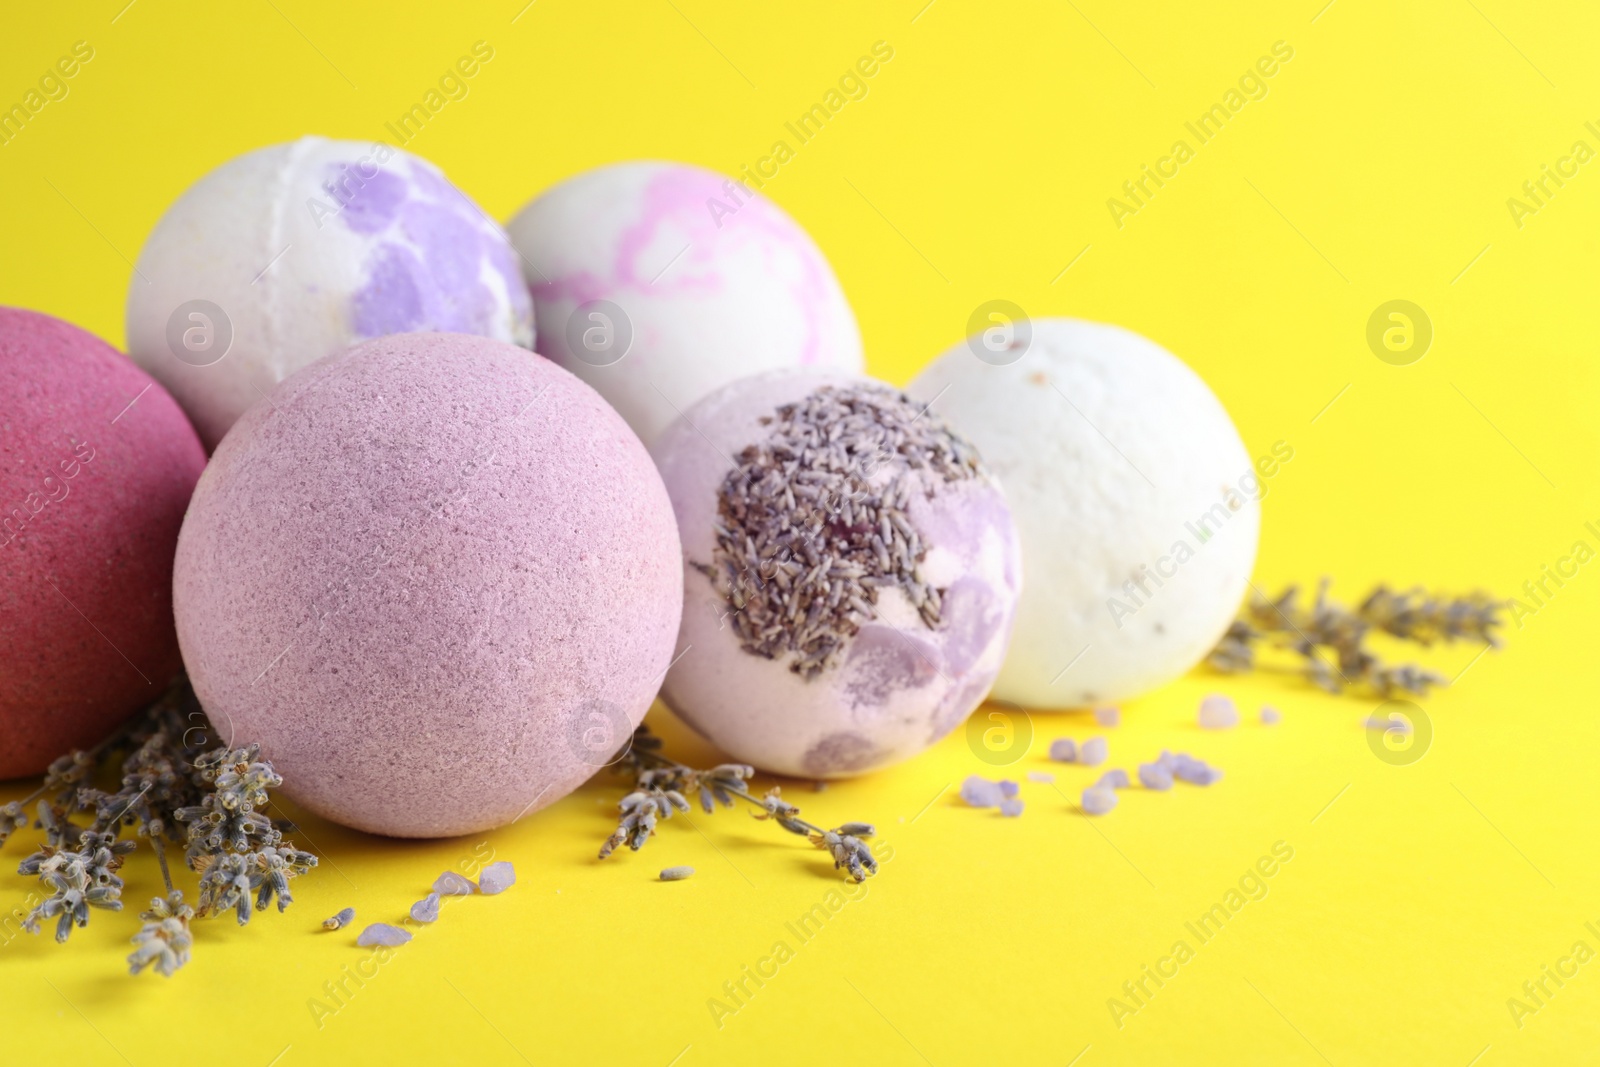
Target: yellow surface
(979, 165)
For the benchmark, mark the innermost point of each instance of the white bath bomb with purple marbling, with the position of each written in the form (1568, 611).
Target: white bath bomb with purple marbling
(1136, 500)
(436, 578)
(296, 251)
(657, 283)
(850, 573)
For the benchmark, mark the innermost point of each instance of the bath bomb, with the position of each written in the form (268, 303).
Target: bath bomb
(1137, 504)
(658, 283)
(296, 251)
(436, 578)
(96, 466)
(851, 573)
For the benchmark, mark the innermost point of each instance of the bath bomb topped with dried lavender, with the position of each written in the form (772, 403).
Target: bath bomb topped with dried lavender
(850, 573)
(293, 252)
(657, 283)
(437, 578)
(1137, 503)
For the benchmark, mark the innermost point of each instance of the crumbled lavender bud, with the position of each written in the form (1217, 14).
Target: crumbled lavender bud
(1270, 715)
(1011, 807)
(1041, 776)
(1009, 789)
(981, 793)
(382, 935)
(1097, 800)
(1108, 716)
(857, 829)
(1116, 778)
(1155, 776)
(335, 922)
(1064, 750)
(1218, 713)
(426, 910)
(1381, 722)
(451, 884)
(496, 878)
(676, 874)
(1092, 752)
(812, 525)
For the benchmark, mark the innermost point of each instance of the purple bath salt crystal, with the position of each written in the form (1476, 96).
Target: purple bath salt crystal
(426, 910)
(981, 793)
(496, 878)
(1108, 716)
(1041, 776)
(451, 884)
(1009, 789)
(1155, 776)
(1116, 778)
(1092, 752)
(1218, 713)
(382, 935)
(1198, 772)
(1270, 715)
(1064, 750)
(1011, 807)
(1097, 800)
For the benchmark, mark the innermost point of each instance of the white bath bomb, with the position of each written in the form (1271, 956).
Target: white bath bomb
(850, 573)
(1137, 504)
(657, 283)
(294, 252)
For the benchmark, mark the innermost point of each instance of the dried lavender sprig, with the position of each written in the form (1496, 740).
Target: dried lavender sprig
(662, 782)
(171, 789)
(1327, 626)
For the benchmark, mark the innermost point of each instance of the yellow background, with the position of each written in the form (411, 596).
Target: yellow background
(1377, 168)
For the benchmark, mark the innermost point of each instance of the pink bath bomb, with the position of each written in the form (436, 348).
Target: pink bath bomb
(850, 573)
(96, 467)
(436, 578)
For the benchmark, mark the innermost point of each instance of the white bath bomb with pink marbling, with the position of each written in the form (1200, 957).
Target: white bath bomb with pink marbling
(1136, 500)
(296, 251)
(806, 649)
(657, 283)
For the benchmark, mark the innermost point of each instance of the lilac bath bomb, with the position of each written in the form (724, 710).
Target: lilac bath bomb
(850, 573)
(296, 251)
(436, 578)
(96, 467)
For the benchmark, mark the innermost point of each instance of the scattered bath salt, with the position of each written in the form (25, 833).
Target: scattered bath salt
(1092, 752)
(1097, 800)
(981, 793)
(1116, 778)
(1218, 713)
(1063, 750)
(426, 910)
(1155, 776)
(676, 874)
(1197, 772)
(1011, 807)
(342, 919)
(451, 884)
(1108, 716)
(1270, 715)
(1041, 776)
(497, 878)
(1379, 722)
(382, 935)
